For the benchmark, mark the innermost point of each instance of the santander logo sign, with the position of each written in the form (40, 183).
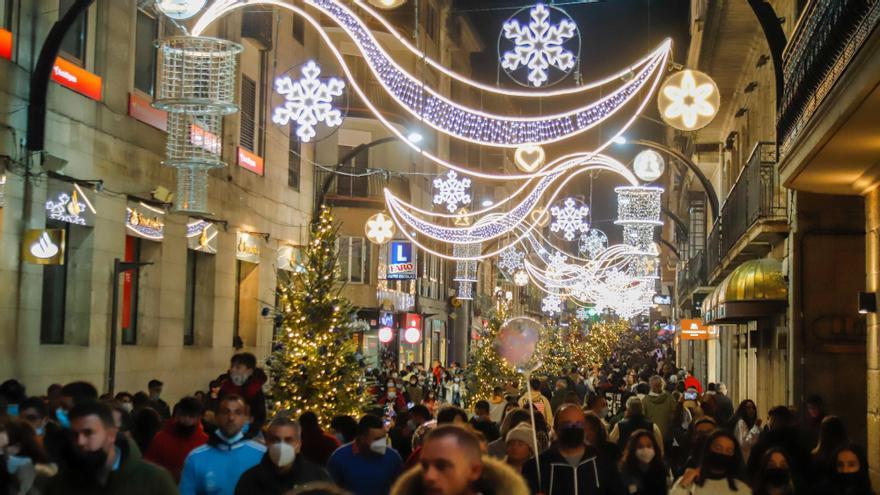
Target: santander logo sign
(74, 77)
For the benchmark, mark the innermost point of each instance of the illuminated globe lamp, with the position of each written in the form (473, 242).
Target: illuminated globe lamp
(688, 100)
(521, 278)
(386, 4)
(385, 335)
(180, 9)
(412, 335)
(649, 165)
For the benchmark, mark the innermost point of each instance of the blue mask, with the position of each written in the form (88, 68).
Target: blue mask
(235, 439)
(41, 431)
(12, 410)
(63, 420)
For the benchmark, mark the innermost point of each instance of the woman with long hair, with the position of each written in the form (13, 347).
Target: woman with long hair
(832, 437)
(642, 468)
(848, 474)
(720, 470)
(596, 435)
(746, 426)
(774, 474)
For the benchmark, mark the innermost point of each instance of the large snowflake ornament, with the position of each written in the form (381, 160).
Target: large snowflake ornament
(539, 45)
(308, 101)
(551, 304)
(592, 243)
(511, 260)
(452, 191)
(569, 219)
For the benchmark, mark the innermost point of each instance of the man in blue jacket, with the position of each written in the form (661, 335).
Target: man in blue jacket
(367, 466)
(214, 468)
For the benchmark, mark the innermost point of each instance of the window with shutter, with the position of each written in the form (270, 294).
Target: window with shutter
(248, 132)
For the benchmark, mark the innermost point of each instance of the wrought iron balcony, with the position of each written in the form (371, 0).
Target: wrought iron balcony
(830, 34)
(757, 206)
(351, 187)
(691, 275)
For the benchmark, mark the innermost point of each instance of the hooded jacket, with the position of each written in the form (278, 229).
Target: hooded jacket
(542, 405)
(252, 392)
(168, 449)
(594, 475)
(215, 468)
(660, 408)
(264, 478)
(497, 479)
(134, 476)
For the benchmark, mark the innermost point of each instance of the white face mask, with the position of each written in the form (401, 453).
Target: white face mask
(379, 446)
(127, 407)
(282, 454)
(645, 454)
(392, 395)
(238, 378)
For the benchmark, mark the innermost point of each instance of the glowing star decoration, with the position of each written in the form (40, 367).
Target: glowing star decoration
(521, 278)
(592, 243)
(551, 304)
(511, 260)
(539, 45)
(649, 165)
(180, 9)
(380, 228)
(452, 191)
(308, 101)
(688, 100)
(529, 157)
(569, 219)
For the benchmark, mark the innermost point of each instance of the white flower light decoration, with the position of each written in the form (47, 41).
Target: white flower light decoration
(539, 45)
(569, 219)
(452, 191)
(688, 100)
(308, 101)
(380, 228)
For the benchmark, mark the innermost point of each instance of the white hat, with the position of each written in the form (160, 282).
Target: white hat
(523, 433)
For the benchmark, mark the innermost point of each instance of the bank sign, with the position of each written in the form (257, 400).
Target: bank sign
(401, 261)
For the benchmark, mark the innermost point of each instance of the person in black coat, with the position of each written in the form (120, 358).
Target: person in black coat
(281, 469)
(781, 432)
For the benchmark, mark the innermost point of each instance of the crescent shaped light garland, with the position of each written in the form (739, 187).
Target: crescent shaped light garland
(454, 119)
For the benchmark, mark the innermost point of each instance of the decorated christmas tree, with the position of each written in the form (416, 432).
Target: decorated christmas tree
(485, 368)
(579, 343)
(314, 363)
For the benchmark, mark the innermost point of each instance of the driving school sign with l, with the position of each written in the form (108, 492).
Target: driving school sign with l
(401, 261)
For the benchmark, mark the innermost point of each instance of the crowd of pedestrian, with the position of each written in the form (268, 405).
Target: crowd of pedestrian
(633, 425)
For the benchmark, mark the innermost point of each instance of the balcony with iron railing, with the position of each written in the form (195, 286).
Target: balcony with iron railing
(827, 38)
(754, 214)
(355, 186)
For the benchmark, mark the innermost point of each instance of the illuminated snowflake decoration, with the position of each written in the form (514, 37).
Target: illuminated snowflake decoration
(592, 243)
(569, 219)
(556, 263)
(551, 304)
(586, 313)
(511, 260)
(308, 101)
(539, 45)
(521, 278)
(452, 191)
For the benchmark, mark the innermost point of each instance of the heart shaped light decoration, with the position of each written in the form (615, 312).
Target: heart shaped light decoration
(529, 157)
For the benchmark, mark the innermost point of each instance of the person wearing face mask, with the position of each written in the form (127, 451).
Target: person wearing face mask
(848, 474)
(366, 466)
(642, 467)
(25, 458)
(393, 397)
(246, 380)
(414, 391)
(282, 468)
(125, 400)
(598, 405)
(154, 389)
(570, 466)
(179, 437)
(102, 463)
(720, 470)
(634, 419)
(33, 411)
(774, 475)
(215, 468)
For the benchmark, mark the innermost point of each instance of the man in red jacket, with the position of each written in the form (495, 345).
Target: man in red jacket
(246, 380)
(180, 436)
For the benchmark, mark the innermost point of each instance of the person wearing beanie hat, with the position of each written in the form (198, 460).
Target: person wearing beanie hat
(520, 446)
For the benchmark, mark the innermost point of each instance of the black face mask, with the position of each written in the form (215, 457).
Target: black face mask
(777, 476)
(571, 436)
(88, 463)
(847, 479)
(183, 430)
(717, 464)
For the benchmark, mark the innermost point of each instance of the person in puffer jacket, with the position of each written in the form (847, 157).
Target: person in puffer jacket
(246, 381)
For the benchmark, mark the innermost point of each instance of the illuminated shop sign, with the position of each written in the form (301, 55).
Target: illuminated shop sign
(43, 246)
(247, 247)
(290, 258)
(74, 77)
(401, 261)
(201, 235)
(208, 141)
(250, 161)
(5, 44)
(68, 202)
(145, 221)
(694, 330)
(140, 109)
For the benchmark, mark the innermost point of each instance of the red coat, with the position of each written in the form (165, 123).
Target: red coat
(691, 381)
(317, 446)
(170, 450)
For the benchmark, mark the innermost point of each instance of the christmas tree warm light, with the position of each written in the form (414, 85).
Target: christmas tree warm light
(485, 368)
(314, 364)
(579, 344)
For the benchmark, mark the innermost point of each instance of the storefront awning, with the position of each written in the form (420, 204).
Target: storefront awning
(754, 289)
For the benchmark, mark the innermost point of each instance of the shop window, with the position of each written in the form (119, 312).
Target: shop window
(294, 159)
(299, 29)
(199, 309)
(146, 33)
(74, 44)
(354, 259)
(246, 303)
(54, 295)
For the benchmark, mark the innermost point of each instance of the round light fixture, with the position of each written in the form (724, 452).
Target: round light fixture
(385, 335)
(180, 9)
(688, 100)
(521, 278)
(380, 228)
(529, 157)
(386, 4)
(649, 165)
(412, 335)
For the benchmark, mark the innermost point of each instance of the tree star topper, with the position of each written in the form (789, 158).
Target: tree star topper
(569, 219)
(452, 191)
(539, 45)
(308, 101)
